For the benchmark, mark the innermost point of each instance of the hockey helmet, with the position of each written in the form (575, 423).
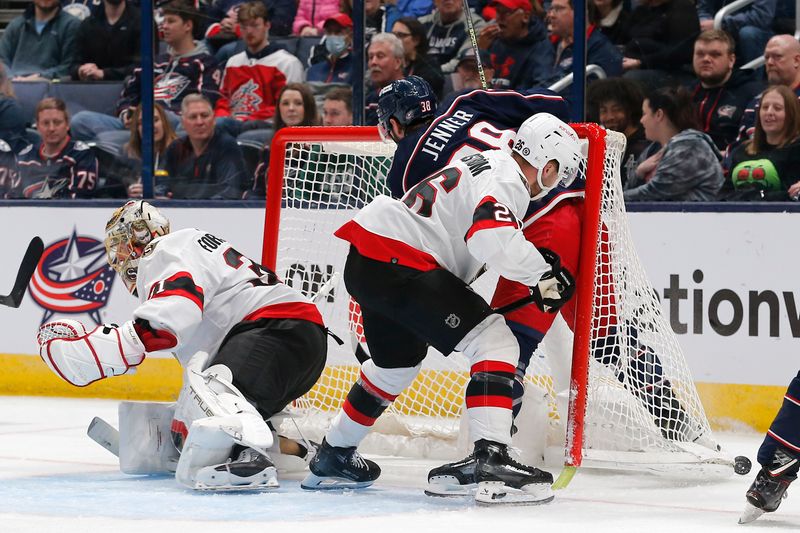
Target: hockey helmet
(408, 100)
(543, 138)
(132, 227)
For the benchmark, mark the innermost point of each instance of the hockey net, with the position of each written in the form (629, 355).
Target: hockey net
(627, 400)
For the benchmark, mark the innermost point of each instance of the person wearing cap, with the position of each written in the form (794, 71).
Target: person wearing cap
(522, 56)
(446, 29)
(312, 16)
(253, 78)
(337, 65)
(599, 50)
(466, 77)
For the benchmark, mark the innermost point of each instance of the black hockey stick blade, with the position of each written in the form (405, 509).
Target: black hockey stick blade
(25, 273)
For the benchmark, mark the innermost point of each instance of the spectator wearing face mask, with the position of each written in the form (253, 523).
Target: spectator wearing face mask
(337, 66)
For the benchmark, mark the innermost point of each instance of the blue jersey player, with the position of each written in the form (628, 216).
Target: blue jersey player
(485, 120)
(779, 456)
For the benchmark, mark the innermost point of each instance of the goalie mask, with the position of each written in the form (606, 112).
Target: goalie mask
(132, 227)
(544, 138)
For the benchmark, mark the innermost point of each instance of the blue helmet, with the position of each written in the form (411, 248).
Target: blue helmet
(408, 101)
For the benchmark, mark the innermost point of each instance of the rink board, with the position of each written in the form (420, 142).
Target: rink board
(726, 281)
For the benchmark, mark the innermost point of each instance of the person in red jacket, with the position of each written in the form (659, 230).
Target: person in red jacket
(253, 78)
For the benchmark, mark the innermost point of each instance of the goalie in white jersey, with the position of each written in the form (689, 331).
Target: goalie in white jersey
(199, 296)
(408, 268)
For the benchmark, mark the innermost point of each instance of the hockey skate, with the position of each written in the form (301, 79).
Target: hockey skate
(769, 488)
(453, 479)
(250, 470)
(339, 468)
(501, 480)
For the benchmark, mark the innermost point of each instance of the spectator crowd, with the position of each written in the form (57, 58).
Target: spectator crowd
(702, 123)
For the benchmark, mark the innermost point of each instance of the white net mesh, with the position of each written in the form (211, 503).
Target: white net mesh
(642, 404)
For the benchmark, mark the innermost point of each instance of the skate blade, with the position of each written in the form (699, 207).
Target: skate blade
(450, 490)
(497, 493)
(314, 482)
(268, 480)
(750, 514)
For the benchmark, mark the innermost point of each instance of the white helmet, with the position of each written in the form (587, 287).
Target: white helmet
(130, 229)
(543, 138)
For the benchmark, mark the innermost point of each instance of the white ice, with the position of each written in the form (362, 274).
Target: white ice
(54, 479)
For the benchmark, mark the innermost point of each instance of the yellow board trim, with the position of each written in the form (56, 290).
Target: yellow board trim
(728, 406)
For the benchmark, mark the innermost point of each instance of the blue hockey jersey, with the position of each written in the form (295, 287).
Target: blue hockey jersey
(474, 122)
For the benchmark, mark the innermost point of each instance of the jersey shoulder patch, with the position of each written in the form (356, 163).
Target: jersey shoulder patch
(26, 150)
(80, 145)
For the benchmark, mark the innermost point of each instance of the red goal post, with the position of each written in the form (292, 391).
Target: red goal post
(608, 422)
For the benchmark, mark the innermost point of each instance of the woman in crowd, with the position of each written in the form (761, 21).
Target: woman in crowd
(682, 164)
(296, 107)
(767, 167)
(412, 34)
(163, 135)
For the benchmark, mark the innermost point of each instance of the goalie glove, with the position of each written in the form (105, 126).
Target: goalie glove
(556, 287)
(80, 357)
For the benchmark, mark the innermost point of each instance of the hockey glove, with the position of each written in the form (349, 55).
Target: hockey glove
(556, 287)
(80, 357)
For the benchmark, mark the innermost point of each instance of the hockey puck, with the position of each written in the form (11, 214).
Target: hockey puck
(742, 465)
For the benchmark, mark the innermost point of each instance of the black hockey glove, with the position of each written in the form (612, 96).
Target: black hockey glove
(556, 287)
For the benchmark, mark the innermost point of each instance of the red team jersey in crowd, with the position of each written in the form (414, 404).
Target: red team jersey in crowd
(196, 287)
(459, 219)
(251, 83)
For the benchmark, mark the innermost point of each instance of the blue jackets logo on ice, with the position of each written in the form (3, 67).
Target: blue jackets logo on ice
(73, 277)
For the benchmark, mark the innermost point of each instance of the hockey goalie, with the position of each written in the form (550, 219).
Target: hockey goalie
(248, 345)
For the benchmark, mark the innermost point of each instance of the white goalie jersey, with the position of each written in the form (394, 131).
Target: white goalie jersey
(196, 287)
(459, 219)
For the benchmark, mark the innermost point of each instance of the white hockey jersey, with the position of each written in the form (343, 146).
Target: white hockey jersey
(196, 287)
(459, 219)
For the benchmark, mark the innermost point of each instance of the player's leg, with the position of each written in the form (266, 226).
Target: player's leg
(273, 362)
(396, 359)
(456, 318)
(779, 456)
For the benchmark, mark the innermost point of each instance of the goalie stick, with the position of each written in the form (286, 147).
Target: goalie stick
(24, 274)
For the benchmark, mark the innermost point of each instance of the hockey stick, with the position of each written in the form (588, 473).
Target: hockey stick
(104, 434)
(24, 274)
(474, 40)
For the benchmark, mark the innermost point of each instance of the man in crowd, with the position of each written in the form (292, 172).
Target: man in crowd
(108, 43)
(616, 104)
(720, 93)
(204, 163)
(599, 50)
(58, 167)
(186, 68)
(447, 32)
(385, 62)
(522, 56)
(782, 63)
(254, 78)
(40, 43)
(337, 65)
(337, 107)
(466, 76)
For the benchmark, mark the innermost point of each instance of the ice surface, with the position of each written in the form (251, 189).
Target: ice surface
(54, 479)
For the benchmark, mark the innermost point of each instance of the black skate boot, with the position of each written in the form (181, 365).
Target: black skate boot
(502, 480)
(453, 479)
(339, 468)
(769, 488)
(250, 470)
